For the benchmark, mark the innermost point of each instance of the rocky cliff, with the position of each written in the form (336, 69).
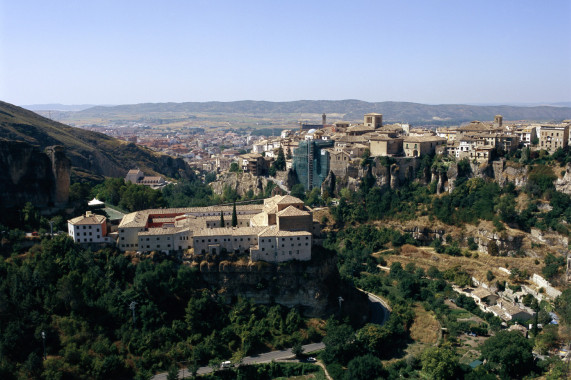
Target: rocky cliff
(563, 184)
(93, 155)
(31, 175)
(313, 286)
(242, 183)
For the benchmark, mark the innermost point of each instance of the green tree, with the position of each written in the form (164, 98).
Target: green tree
(439, 362)
(234, 216)
(563, 306)
(280, 162)
(297, 349)
(364, 368)
(234, 168)
(493, 249)
(339, 342)
(509, 354)
(298, 191)
(222, 224)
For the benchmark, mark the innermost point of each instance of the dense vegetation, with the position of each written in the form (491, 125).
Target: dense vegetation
(81, 300)
(508, 355)
(472, 200)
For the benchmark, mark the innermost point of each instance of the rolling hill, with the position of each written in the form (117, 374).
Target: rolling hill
(93, 155)
(352, 110)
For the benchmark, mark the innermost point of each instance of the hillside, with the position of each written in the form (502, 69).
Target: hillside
(351, 110)
(93, 155)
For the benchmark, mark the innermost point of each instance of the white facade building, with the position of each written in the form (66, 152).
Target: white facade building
(88, 228)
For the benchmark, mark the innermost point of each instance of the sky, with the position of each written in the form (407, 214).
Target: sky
(435, 52)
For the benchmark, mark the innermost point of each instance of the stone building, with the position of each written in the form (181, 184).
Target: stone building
(416, 146)
(553, 137)
(283, 220)
(385, 146)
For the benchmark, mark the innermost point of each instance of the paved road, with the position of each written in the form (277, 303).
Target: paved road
(380, 312)
(254, 359)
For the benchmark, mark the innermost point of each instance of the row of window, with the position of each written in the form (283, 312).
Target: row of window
(86, 227)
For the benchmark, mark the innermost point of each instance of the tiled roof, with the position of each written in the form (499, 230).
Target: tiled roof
(84, 220)
(292, 211)
(288, 199)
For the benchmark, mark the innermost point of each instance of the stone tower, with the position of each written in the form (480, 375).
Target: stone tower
(498, 121)
(323, 119)
(374, 120)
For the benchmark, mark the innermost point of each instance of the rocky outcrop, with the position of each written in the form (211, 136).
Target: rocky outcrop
(311, 286)
(61, 169)
(242, 183)
(508, 242)
(425, 234)
(564, 184)
(452, 174)
(29, 175)
(511, 172)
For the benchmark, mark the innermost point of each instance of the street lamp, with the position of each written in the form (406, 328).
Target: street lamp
(44, 340)
(51, 222)
(132, 307)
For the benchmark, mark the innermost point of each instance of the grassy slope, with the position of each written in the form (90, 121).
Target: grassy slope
(91, 153)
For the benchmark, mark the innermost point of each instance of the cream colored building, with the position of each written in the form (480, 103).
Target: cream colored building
(417, 146)
(385, 146)
(553, 137)
(285, 220)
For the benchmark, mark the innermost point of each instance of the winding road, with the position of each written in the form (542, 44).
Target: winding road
(380, 312)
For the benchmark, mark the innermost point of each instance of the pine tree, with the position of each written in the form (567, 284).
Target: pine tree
(280, 162)
(222, 224)
(234, 216)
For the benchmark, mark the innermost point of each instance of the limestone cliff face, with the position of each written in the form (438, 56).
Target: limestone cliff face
(241, 182)
(564, 184)
(61, 169)
(311, 286)
(29, 175)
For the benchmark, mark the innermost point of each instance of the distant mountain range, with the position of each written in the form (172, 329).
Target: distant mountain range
(58, 107)
(93, 155)
(416, 113)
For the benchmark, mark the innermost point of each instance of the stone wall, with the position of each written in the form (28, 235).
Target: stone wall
(543, 283)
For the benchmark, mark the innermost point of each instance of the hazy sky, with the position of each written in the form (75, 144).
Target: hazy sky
(120, 51)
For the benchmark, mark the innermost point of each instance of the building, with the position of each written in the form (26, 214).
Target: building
(385, 146)
(416, 146)
(553, 137)
(526, 135)
(283, 220)
(138, 177)
(88, 228)
(311, 163)
(374, 120)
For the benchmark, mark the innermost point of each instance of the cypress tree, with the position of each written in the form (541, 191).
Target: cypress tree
(222, 224)
(234, 216)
